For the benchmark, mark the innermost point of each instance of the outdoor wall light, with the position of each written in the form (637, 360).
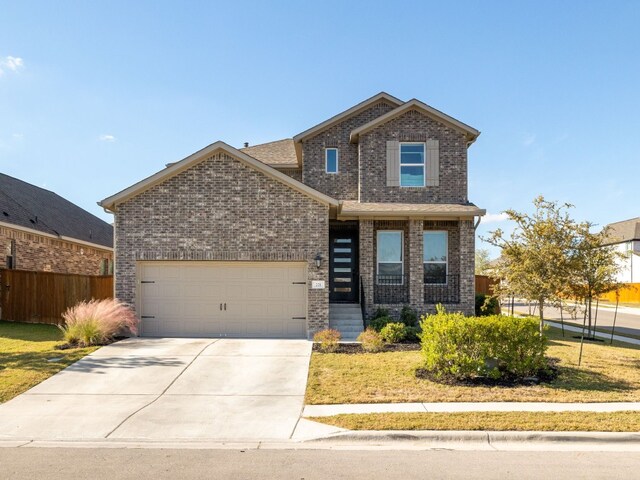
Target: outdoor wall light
(318, 260)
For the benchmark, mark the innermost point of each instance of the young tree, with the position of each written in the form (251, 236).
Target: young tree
(536, 259)
(482, 261)
(593, 267)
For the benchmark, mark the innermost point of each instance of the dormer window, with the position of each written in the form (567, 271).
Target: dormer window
(412, 156)
(331, 160)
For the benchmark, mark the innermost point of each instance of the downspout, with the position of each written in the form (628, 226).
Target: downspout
(475, 227)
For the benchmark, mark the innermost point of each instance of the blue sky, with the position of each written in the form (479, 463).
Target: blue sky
(96, 95)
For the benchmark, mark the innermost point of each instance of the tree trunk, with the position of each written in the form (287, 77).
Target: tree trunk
(589, 335)
(541, 306)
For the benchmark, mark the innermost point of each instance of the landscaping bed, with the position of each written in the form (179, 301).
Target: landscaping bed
(498, 421)
(28, 355)
(607, 374)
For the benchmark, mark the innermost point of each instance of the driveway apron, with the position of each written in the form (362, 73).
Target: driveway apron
(168, 388)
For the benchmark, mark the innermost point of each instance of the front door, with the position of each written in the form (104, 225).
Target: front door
(343, 264)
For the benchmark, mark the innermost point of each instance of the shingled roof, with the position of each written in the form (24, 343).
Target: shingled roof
(26, 205)
(280, 153)
(624, 231)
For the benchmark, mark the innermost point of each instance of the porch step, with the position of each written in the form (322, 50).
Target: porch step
(347, 319)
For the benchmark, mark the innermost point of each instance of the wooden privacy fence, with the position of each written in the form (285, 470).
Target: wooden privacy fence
(42, 297)
(484, 284)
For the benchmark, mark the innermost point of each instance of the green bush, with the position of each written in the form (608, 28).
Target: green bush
(496, 347)
(412, 334)
(381, 312)
(409, 316)
(393, 332)
(378, 323)
(328, 340)
(371, 340)
(486, 305)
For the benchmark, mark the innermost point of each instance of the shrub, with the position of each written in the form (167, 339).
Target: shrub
(97, 322)
(371, 340)
(381, 312)
(486, 305)
(496, 347)
(409, 316)
(328, 340)
(378, 323)
(412, 334)
(393, 332)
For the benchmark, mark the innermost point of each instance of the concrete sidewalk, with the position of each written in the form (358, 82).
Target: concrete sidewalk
(454, 407)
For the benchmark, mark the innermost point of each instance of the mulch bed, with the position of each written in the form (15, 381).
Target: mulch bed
(68, 346)
(354, 348)
(505, 381)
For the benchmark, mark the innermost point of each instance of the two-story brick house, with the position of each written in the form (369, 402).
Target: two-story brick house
(367, 209)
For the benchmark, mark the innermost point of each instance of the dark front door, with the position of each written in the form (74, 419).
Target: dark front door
(343, 264)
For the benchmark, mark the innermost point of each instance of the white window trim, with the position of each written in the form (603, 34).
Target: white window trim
(326, 160)
(446, 272)
(423, 164)
(401, 262)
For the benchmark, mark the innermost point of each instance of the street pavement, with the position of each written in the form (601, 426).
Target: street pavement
(627, 319)
(231, 464)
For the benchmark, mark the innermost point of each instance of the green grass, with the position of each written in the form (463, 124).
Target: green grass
(24, 351)
(608, 374)
(498, 421)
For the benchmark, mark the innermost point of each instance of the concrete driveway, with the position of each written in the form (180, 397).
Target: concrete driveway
(168, 388)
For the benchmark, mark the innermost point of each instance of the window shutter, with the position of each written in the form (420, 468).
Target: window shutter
(393, 164)
(433, 163)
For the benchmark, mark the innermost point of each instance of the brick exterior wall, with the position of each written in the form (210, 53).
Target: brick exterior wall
(461, 249)
(221, 209)
(294, 173)
(344, 184)
(42, 253)
(413, 126)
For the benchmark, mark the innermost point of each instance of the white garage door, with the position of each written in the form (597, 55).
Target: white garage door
(228, 299)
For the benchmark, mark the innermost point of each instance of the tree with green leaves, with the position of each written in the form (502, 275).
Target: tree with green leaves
(535, 261)
(482, 261)
(593, 267)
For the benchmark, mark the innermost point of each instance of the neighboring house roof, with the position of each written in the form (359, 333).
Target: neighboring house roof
(347, 113)
(624, 231)
(414, 104)
(354, 208)
(279, 154)
(111, 202)
(27, 206)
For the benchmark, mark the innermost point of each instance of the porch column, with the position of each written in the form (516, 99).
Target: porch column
(467, 267)
(416, 265)
(367, 260)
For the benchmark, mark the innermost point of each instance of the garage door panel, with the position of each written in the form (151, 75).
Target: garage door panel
(261, 299)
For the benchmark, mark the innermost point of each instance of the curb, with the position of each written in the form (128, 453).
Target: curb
(489, 437)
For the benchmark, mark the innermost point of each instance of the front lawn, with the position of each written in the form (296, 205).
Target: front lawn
(608, 374)
(499, 421)
(28, 356)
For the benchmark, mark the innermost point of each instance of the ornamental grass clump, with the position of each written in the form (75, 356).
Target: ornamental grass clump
(97, 322)
(328, 340)
(371, 341)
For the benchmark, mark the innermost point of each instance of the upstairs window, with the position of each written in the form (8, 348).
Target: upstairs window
(436, 257)
(331, 160)
(412, 157)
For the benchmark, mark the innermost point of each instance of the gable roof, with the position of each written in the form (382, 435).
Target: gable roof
(382, 96)
(27, 206)
(624, 231)
(110, 203)
(280, 153)
(415, 104)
